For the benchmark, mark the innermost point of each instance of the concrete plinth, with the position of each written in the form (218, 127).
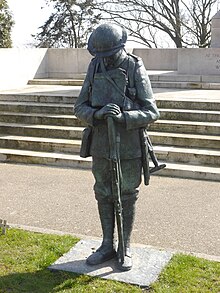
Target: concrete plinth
(147, 263)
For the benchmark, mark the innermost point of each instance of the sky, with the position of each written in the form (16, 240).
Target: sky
(28, 16)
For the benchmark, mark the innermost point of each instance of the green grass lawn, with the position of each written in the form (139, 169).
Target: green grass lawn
(25, 256)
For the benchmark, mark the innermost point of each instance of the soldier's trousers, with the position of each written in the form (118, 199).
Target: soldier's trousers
(131, 179)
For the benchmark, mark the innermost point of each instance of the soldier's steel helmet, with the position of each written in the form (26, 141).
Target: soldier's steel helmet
(107, 40)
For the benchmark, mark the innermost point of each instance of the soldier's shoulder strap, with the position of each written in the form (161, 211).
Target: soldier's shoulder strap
(93, 69)
(133, 62)
(135, 57)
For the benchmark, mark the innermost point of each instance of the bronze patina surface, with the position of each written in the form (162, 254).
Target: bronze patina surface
(117, 89)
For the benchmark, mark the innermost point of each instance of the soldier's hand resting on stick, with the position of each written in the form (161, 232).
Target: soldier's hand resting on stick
(110, 109)
(118, 118)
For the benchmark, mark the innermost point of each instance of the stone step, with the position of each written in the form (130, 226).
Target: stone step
(37, 118)
(165, 153)
(71, 120)
(59, 109)
(77, 81)
(188, 155)
(55, 98)
(175, 126)
(190, 115)
(41, 144)
(48, 144)
(185, 85)
(74, 161)
(153, 75)
(190, 103)
(42, 94)
(44, 158)
(191, 171)
(38, 98)
(157, 81)
(30, 107)
(175, 77)
(57, 131)
(67, 132)
(181, 139)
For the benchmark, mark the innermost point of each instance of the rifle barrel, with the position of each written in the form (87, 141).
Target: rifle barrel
(114, 143)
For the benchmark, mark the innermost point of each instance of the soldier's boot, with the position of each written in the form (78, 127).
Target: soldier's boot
(107, 250)
(128, 221)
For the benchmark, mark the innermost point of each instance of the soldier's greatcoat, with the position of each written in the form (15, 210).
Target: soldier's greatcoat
(139, 109)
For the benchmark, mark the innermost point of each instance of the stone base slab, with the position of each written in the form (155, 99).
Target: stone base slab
(147, 263)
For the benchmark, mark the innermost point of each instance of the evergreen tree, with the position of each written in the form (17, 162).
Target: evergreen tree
(69, 24)
(6, 23)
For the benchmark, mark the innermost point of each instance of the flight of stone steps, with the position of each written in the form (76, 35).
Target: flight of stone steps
(159, 79)
(40, 128)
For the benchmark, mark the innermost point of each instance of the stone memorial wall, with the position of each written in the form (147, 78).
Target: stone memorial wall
(17, 66)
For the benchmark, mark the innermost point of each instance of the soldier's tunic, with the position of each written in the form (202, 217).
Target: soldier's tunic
(96, 92)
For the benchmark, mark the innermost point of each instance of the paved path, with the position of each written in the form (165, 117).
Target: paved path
(172, 213)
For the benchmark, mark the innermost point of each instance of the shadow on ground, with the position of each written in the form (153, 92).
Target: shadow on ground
(43, 281)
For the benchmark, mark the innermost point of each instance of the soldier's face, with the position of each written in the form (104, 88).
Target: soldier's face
(111, 60)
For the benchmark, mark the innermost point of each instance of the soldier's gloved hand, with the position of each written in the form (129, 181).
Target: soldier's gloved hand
(109, 109)
(120, 118)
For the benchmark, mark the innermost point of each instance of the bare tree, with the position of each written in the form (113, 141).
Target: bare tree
(141, 16)
(200, 12)
(185, 23)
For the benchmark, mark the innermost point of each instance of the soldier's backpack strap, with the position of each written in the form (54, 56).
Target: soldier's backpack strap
(92, 70)
(131, 70)
(132, 61)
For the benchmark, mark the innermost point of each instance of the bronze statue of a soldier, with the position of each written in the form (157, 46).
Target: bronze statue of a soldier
(116, 86)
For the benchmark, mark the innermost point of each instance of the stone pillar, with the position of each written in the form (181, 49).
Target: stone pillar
(215, 32)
